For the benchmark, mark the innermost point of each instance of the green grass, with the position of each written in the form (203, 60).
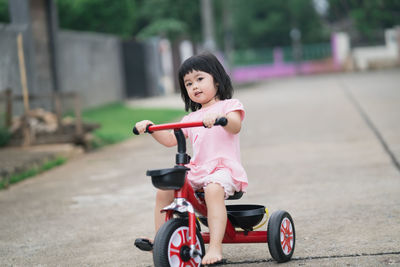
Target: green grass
(15, 178)
(4, 133)
(117, 120)
(4, 136)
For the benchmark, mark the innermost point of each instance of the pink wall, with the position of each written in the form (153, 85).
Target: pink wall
(282, 69)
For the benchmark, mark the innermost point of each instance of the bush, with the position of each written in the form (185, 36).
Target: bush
(4, 136)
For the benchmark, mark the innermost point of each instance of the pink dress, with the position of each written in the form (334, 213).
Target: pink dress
(216, 150)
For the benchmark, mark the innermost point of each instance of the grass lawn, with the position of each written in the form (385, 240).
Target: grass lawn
(17, 177)
(117, 120)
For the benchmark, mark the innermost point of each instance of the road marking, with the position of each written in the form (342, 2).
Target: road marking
(319, 257)
(371, 125)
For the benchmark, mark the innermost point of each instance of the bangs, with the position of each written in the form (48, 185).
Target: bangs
(206, 63)
(194, 63)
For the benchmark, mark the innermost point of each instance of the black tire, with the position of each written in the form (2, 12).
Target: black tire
(281, 236)
(168, 237)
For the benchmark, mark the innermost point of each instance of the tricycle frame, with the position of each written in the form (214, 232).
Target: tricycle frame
(185, 199)
(186, 203)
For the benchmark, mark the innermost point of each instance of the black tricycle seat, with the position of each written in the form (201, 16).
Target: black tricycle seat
(236, 195)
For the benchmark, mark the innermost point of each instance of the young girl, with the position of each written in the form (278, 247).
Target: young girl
(215, 166)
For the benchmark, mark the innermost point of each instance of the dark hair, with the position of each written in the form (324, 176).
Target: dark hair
(206, 62)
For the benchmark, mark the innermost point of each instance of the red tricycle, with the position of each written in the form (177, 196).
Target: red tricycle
(180, 242)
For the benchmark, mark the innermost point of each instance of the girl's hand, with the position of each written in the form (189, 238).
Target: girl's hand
(209, 119)
(142, 125)
(234, 121)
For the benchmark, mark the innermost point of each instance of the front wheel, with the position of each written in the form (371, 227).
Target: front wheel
(281, 236)
(172, 245)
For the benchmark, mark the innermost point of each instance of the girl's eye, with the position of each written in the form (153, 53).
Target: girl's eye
(188, 84)
(200, 78)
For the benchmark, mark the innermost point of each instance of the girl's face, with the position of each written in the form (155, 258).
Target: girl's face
(201, 88)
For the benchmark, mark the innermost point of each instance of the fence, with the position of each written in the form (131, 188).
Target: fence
(258, 64)
(309, 52)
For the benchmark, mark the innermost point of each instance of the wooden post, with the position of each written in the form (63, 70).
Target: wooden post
(9, 102)
(22, 71)
(78, 115)
(58, 110)
(26, 129)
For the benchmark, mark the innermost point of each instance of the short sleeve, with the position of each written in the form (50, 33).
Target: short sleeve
(234, 105)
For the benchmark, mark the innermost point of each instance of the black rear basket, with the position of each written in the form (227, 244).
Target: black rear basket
(168, 179)
(243, 216)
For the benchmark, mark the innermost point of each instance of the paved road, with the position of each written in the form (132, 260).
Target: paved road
(325, 148)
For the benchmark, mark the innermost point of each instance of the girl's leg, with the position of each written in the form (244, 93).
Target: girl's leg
(163, 199)
(216, 215)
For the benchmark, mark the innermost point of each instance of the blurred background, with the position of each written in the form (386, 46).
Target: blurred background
(321, 138)
(63, 56)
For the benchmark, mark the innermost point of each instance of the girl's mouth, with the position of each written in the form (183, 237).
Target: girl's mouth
(197, 93)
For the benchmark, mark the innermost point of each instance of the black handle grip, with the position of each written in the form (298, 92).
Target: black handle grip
(135, 131)
(221, 121)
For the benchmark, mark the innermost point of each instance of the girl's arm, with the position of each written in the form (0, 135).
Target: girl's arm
(234, 121)
(166, 138)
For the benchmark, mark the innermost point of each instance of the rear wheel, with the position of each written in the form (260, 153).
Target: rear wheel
(281, 236)
(172, 245)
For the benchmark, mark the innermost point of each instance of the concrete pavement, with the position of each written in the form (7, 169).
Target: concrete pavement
(324, 148)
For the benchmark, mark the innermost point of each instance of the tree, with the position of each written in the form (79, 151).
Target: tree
(4, 16)
(115, 17)
(268, 23)
(132, 18)
(259, 24)
(367, 17)
(170, 18)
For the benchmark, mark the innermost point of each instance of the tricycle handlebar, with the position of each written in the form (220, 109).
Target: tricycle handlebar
(169, 126)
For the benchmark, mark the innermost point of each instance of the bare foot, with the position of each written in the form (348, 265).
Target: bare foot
(212, 256)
